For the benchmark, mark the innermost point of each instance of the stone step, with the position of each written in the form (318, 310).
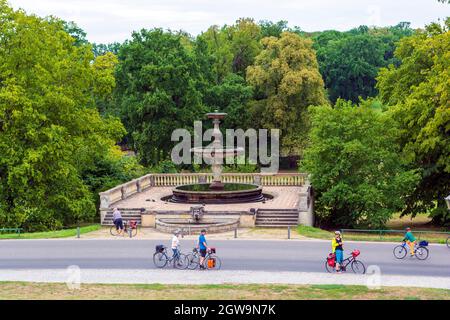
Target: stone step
(277, 210)
(276, 218)
(280, 225)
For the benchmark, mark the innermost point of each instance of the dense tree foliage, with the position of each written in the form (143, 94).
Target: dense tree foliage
(157, 91)
(287, 80)
(418, 93)
(356, 167)
(50, 130)
(234, 47)
(349, 61)
(65, 103)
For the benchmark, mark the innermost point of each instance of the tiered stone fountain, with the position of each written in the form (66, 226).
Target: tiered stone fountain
(217, 192)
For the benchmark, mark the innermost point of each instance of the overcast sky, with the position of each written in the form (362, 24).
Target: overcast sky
(113, 20)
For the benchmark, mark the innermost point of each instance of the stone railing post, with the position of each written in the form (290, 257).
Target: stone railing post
(152, 181)
(138, 185)
(104, 200)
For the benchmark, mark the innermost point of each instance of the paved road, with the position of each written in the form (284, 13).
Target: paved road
(262, 255)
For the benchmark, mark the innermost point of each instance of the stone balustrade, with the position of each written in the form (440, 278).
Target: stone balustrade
(123, 191)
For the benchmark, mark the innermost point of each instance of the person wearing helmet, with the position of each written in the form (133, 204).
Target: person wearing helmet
(337, 249)
(410, 240)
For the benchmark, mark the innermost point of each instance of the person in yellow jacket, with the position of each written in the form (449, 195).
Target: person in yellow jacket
(337, 249)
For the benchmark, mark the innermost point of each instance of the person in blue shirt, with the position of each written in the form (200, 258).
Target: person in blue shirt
(203, 246)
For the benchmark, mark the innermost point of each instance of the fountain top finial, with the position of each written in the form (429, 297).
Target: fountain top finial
(216, 115)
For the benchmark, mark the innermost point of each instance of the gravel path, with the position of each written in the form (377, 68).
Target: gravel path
(144, 276)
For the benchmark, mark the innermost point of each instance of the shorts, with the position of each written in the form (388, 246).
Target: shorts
(203, 252)
(339, 256)
(119, 224)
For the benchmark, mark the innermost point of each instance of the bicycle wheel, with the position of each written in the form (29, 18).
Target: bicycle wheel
(358, 267)
(329, 268)
(400, 252)
(421, 253)
(134, 232)
(113, 231)
(160, 259)
(194, 261)
(213, 263)
(181, 262)
(448, 242)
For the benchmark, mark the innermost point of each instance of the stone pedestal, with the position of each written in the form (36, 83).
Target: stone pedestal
(148, 220)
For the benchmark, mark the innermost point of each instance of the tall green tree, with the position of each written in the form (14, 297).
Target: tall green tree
(75, 32)
(234, 47)
(157, 91)
(349, 66)
(349, 61)
(418, 93)
(50, 129)
(232, 96)
(286, 79)
(359, 175)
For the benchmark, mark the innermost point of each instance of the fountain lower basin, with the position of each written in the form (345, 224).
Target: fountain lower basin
(188, 226)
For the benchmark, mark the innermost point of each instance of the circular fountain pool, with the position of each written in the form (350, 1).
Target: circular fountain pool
(230, 193)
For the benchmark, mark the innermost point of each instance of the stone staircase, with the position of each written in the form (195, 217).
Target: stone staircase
(126, 216)
(277, 217)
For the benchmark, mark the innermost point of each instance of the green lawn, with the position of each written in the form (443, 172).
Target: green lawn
(317, 233)
(420, 222)
(66, 233)
(23, 290)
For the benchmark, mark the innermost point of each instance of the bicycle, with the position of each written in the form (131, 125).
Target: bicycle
(161, 259)
(125, 232)
(356, 265)
(211, 261)
(421, 252)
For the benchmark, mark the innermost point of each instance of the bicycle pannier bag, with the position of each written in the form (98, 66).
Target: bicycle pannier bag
(211, 263)
(331, 259)
(423, 243)
(159, 248)
(355, 253)
(213, 250)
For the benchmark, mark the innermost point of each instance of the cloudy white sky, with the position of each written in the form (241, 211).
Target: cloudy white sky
(113, 20)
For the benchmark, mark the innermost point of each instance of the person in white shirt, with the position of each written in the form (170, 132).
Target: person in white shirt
(175, 243)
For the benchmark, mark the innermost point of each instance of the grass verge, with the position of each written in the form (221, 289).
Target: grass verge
(66, 233)
(38, 291)
(317, 233)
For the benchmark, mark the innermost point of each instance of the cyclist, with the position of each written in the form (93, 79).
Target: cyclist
(175, 246)
(337, 249)
(117, 219)
(410, 240)
(203, 246)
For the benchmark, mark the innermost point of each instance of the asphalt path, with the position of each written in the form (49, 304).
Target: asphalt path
(260, 255)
